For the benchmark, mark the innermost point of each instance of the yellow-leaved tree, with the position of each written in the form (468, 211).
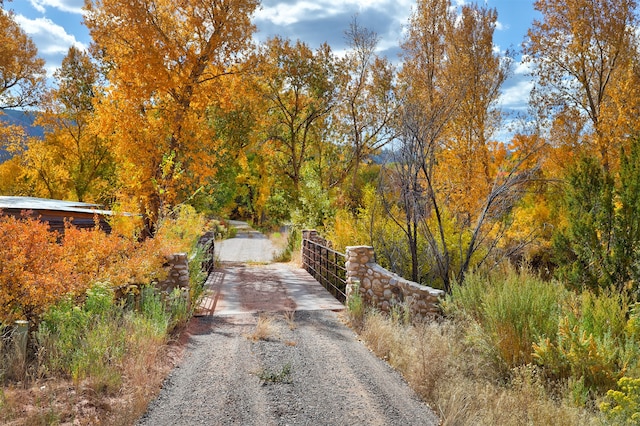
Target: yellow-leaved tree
(165, 61)
(584, 56)
(22, 74)
(71, 161)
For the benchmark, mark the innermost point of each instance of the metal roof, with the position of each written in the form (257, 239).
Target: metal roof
(32, 203)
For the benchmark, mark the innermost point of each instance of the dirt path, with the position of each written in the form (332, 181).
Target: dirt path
(249, 245)
(307, 369)
(227, 378)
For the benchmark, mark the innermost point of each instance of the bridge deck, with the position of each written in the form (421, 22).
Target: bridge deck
(236, 289)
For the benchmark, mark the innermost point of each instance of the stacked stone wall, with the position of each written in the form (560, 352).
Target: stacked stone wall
(383, 289)
(177, 268)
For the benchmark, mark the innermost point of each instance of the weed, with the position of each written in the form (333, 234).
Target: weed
(197, 277)
(290, 318)
(623, 406)
(153, 309)
(355, 305)
(282, 376)
(178, 308)
(455, 380)
(264, 328)
(512, 312)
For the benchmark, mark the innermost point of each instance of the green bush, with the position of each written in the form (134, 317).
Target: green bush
(595, 342)
(89, 341)
(511, 312)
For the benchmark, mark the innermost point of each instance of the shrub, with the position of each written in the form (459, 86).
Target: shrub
(595, 344)
(623, 406)
(33, 271)
(84, 341)
(512, 312)
(180, 229)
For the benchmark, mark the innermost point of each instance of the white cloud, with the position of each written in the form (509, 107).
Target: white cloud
(516, 96)
(287, 14)
(50, 37)
(52, 40)
(522, 67)
(71, 6)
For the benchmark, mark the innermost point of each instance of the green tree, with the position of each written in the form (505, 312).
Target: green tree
(300, 92)
(600, 246)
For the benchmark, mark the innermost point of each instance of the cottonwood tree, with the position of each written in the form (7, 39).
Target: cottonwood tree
(71, 161)
(428, 105)
(165, 61)
(300, 92)
(477, 72)
(22, 73)
(22, 80)
(443, 50)
(363, 117)
(584, 57)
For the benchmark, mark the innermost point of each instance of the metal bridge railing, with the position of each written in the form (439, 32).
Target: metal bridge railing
(327, 266)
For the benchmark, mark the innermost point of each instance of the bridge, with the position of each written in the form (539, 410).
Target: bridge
(247, 282)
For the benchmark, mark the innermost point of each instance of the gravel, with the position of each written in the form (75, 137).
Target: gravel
(311, 370)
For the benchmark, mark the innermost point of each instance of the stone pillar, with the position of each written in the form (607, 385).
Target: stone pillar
(177, 267)
(357, 258)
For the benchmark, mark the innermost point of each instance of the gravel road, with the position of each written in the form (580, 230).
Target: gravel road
(227, 378)
(249, 245)
(310, 369)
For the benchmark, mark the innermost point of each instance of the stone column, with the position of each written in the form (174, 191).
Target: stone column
(357, 258)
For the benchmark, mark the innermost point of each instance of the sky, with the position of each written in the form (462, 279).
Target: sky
(55, 25)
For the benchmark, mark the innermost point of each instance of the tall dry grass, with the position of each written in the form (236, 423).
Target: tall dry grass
(458, 382)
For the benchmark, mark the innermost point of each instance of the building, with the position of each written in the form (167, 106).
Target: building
(56, 212)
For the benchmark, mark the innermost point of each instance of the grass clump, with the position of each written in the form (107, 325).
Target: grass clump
(282, 376)
(355, 305)
(265, 328)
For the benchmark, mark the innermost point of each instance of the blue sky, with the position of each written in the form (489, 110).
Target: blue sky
(55, 25)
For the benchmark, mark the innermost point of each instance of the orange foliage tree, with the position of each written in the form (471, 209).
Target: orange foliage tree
(71, 161)
(165, 61)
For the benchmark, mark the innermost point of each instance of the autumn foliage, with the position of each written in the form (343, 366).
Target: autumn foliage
(39, 267)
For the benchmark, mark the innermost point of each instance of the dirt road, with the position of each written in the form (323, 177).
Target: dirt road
(313, 372)
(249, 245)
(280, 367)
